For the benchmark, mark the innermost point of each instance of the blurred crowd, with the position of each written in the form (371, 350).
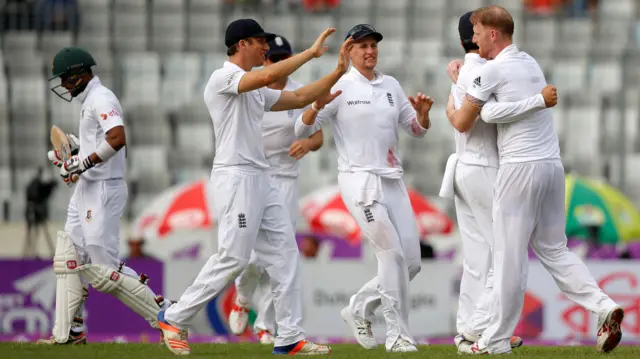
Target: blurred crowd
(561, 7)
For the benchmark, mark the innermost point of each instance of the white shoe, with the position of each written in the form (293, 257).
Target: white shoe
(471, 349)
(265, 337)
(402, 346)
(609, 330)
(459, 340)
(361, 329)
(238, 319)
(470, 337)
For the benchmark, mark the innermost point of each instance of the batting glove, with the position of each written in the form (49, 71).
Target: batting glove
(72, 169)
(54, 158)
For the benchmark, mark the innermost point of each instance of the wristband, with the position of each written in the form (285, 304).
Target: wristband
(315, 108)
(105, 151)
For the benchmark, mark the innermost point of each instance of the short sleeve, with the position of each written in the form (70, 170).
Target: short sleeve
(271, 96)
(108, 114)
(485, 82)
(228, 80)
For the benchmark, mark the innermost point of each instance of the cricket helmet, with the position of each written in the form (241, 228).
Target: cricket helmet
(68, 65)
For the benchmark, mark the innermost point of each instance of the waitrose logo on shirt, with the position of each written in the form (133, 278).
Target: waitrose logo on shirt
(358, 102)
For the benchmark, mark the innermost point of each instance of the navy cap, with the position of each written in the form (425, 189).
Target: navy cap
(465, 27)
(362, 30)
(244, 29)
(279, 46)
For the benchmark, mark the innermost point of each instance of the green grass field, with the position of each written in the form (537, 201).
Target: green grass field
(143, 351)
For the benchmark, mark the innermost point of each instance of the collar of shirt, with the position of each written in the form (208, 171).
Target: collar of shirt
(472, 57)
(95, 81)
(233, 66)
(356, 75)
(509, 50)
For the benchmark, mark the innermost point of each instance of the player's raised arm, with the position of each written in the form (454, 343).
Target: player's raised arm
(257, 79)
(307, 94)
(485, 82)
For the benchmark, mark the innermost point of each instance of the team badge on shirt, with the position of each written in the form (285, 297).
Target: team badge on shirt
(290, 113)
(390, 99)
(88, 217)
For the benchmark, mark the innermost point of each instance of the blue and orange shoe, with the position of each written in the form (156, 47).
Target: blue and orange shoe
(303, 347)
(174, 338)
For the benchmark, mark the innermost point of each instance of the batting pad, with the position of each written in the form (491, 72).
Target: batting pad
(131, 291)
(69, 291)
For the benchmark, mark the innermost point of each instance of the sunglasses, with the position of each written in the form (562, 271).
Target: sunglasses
(278, 58)
(358, 29)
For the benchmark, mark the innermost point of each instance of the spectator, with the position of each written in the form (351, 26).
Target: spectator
(309, 246)
(136, 248)
(580, 8)
(18, 15)
(37, 211)
(57, 15)
(320, 5)
(543, 7)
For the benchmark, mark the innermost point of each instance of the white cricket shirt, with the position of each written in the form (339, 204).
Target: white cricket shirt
(477, 146)
(365, 120)
(237, 118)
(278, 135)
(101, 111)
(514, 76)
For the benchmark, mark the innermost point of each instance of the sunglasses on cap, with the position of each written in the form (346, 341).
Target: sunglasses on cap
(277, 57)
(362, 30)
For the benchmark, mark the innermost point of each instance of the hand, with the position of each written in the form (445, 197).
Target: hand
(322, 101)
(318, 48)
(550, 94)
(453, 70)
(70, 170)
(344, 59)
(422, 104)
(299, 148)
(54, 158)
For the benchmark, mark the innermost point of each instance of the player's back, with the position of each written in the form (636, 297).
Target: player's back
(532, 137)
(237, 119)
(478, 145)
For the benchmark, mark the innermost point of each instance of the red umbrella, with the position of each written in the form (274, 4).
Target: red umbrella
(181, 207)
(325, 212)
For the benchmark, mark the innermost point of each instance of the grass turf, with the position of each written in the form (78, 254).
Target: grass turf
(138, 351)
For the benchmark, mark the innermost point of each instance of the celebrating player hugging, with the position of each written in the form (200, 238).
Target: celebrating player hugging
(87, 250)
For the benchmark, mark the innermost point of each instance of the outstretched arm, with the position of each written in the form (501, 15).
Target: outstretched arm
(254, 80)
(307, 94)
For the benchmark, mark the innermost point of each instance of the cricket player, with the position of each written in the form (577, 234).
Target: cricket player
(475, 171)
(283, 151)
(365, 120)
(529, 193)
(87, 251)
(244, 196)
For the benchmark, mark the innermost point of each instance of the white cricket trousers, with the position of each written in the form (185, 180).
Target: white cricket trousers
(529, 207)
(474, 202)
(93, 222)
(390, 226)
(254, 277)
(247, 203)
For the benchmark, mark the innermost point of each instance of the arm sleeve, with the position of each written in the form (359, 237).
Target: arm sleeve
(270, 97)
(407, 117)
(328, 113)
(108, 115)
(486, 81)
(227, 81)
(507, 112)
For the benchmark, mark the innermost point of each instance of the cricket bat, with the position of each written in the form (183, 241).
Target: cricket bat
(60, 143)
